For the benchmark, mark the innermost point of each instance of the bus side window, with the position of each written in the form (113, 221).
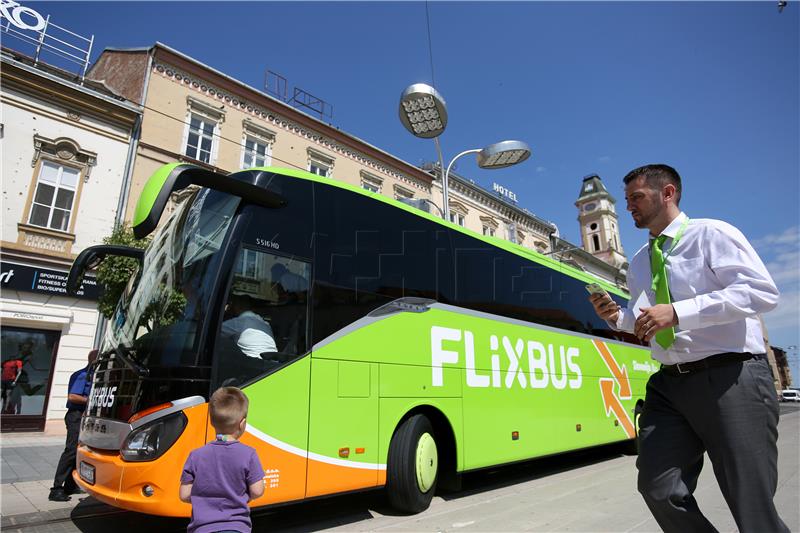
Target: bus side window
(263, 323)
(369, 253)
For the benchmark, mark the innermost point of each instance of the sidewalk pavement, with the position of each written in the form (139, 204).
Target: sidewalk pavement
(26, 472)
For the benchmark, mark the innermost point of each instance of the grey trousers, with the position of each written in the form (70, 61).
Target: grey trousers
(729, 411)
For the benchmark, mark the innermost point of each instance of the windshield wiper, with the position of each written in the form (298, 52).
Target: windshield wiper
(119, 351)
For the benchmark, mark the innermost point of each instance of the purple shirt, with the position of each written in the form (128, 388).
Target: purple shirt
(220, 473)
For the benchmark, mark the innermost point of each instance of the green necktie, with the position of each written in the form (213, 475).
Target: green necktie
(665, 337)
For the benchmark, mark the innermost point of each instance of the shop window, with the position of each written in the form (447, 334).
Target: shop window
(27, 363)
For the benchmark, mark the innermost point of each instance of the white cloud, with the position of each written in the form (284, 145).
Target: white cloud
(786, 315)
(604, 158)
(781, 254)
(541, 169)
(790, 235)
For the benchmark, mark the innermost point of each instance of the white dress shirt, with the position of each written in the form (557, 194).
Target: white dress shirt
(718, 286)
(252, 334)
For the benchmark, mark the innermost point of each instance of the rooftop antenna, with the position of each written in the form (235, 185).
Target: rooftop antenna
(278, 87)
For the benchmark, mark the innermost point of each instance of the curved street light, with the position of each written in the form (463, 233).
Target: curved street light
(423, 113)
(498, 155)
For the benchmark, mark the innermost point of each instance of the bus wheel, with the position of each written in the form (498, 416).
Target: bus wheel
(413, 465)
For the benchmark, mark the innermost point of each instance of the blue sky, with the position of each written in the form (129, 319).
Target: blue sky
(711, 88)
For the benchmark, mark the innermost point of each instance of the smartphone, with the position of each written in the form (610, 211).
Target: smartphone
(594, 288)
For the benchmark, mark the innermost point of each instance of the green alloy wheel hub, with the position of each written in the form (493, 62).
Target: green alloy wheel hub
(427, 462)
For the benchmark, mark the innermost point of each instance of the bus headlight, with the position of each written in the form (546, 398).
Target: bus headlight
(150, 441)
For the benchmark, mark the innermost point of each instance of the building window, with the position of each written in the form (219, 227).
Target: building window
(256, 145)
(320, 169)
(200, 139)
(257, 152)
(458, 214)
(54, 198)
(596, 243)
(202, 130)
(401, 193)
(371, 182)
(247, 264)
(320, 164)
(457, 218)
(489, 226)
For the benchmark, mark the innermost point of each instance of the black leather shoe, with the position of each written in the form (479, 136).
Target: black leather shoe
(58, 495)
(76, 490)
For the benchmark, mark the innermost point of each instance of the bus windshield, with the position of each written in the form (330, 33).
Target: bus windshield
(159, 317)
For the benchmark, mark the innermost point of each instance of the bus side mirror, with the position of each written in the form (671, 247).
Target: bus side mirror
(176, 176)
(91, 257)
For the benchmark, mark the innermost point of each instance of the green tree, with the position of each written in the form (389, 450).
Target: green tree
(115, 272)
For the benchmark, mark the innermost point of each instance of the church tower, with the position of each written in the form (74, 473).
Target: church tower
(597, 216)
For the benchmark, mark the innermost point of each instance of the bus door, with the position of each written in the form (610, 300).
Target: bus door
(262, 341)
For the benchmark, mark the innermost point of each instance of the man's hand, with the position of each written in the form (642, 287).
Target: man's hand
(654, 319)
(605, 307)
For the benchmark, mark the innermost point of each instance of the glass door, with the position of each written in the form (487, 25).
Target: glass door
(28, 356)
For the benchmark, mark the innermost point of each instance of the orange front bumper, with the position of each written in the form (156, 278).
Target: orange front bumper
(121, 483)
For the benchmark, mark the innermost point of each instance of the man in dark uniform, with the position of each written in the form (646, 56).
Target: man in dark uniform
(80, 384)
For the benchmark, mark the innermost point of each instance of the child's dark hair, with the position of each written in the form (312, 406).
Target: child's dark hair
(227, 407)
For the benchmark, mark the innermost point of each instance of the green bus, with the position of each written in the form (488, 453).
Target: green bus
(378, 345)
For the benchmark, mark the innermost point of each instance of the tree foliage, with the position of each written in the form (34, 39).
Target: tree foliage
(115, 272)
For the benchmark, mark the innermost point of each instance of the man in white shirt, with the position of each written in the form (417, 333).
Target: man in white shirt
(251, 333)
(697, 289)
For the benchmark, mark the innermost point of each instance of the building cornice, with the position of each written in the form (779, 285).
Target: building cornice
(19, 73)
(251, 100)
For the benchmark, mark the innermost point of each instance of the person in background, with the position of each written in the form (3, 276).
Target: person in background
(697, 289)
(251, 333)
(290, 286)
(220, 478)
(80, 385)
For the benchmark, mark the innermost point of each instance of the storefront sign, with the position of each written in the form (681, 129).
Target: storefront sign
(16, 277)
(14, 13)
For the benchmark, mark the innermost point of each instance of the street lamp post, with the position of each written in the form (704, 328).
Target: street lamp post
(497, 155)
(424, 114)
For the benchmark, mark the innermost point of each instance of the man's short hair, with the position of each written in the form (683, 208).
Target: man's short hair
(227, 407)
(656, 177)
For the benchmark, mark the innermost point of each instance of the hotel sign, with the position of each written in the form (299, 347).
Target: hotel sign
(502, 191)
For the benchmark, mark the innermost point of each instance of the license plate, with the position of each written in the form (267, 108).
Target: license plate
(86, 471)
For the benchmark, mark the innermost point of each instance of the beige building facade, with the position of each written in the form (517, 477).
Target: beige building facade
(195, 114)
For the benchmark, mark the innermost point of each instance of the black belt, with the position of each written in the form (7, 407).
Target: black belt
(719, 359)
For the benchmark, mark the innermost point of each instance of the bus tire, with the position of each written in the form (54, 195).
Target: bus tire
(413, 465)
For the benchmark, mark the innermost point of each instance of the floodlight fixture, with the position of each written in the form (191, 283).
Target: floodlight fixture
(423, 111)
(503, 154)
